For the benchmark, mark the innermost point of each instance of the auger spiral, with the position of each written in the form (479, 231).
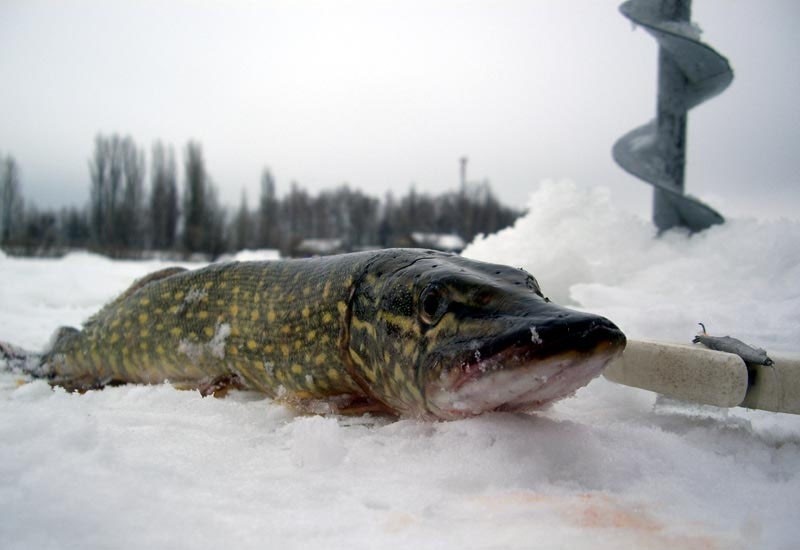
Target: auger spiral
(690, 72)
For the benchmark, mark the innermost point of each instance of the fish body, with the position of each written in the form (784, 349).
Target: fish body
(749, 354)
(411, 332)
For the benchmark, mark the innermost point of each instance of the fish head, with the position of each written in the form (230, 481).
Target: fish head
(461, 337)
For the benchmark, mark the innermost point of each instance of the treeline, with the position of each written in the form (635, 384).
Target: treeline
(129, 215)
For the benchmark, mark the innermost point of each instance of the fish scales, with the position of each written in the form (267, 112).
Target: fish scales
(274, 324)
(406, 331)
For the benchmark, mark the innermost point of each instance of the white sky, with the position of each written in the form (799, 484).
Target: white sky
(381, 94)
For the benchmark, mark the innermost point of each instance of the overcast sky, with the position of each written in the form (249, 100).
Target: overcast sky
(382, 94)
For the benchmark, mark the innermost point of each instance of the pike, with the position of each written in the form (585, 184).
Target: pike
(409, 332)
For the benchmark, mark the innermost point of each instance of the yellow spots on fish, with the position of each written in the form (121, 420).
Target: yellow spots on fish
(143, 346)
(371, 375)
(236, 290)
(306, 312)
(280, 376)
(234, 309)
(341, 307)
(306, 291)
(208, 331)
(286, 329)
(298, 344)
(405, 324)
(144, 302)
(269, 348)
(208, 284)
(252, 345)
(448, 324)
(96, 358)
(410, 349)
(202, 314)
(166, 295)
(297, 369)
(414, 391)
(398, 374)
(158, 311)
(179, 295)
(320, 359)
(176, 332)
(357, 359)
(220, 303)
(190, 315)
(324, 339)
(254, 314)
(233, 350)
(333, 374)
(144, 333)
(349, 281)
(160, 350)
(174, 309)
(358, 324)
(128, 323)
(285, 350)
(235, 330)
(326, 291)
(114, 337)
(115, 323)
(327, 318)
(271, 316)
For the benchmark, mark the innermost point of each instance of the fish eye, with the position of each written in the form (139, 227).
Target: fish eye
(432, 304)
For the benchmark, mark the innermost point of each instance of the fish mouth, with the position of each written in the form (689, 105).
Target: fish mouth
(526, 368)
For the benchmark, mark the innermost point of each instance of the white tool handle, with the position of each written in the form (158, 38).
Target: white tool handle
(695, 373)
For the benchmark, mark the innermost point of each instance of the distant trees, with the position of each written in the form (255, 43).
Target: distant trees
(116, 195)
(163, 198)
(204, 220)
(124, 219)
(269, 229)
(11, 204)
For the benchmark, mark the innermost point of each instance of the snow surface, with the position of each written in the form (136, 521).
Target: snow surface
(154, 467)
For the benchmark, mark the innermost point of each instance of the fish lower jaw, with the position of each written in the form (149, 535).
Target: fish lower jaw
(520, 389)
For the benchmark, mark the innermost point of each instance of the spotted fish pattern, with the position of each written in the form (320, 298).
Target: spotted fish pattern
(380, 330)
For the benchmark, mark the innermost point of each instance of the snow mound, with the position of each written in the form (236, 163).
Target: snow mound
(741, 278)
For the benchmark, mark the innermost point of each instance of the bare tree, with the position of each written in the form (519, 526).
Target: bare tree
(269, 228)
(11, 204)
(163, 198)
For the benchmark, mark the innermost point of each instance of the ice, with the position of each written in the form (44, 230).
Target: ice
(154, 467)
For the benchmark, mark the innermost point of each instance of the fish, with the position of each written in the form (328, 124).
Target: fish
(749, 354)
(407, 332)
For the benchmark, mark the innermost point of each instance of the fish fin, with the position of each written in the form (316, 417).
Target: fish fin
(84, 382)
(137, 284)
(219, 386)
(20, 360)
(363, 405)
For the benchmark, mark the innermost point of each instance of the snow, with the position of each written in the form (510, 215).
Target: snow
(154, 467)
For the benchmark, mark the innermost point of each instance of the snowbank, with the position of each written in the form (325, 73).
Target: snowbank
(153, 467)
(741, 278)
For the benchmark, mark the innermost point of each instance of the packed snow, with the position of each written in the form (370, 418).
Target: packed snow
(155, 467)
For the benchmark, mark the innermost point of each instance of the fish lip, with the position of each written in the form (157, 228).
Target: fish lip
(524, 344)
(564, 357)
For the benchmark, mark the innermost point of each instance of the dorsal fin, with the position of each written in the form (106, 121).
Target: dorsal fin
(137, 284)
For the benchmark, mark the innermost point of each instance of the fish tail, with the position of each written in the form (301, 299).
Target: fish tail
(37, 364)
(21, 361)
